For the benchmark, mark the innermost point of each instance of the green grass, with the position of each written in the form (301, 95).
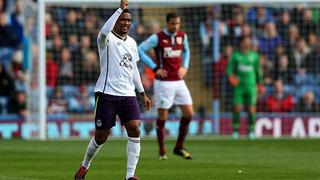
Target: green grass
(213, 159)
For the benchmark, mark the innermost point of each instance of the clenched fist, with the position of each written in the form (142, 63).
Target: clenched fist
(124, 4)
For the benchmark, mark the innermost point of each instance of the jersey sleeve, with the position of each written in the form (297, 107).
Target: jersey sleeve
(230, 66)
(136, 54)
(107, 27)
(136, 78)
(186, 52)
(143, 48)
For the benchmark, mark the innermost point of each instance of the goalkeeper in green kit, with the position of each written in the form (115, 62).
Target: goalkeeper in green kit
(245, 76)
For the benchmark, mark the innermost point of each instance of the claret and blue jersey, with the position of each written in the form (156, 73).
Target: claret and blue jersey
(172, 52)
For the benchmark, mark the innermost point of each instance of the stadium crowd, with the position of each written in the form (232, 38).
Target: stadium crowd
(287, 40)
(14, 56)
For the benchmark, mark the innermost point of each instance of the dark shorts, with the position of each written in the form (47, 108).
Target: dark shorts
(108, 106)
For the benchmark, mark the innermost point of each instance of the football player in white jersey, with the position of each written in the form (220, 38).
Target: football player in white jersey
(115, 90)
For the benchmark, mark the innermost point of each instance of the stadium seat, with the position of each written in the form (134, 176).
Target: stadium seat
(69, 91)
(49, 92)
(301, 90)
(305, 79)
(3, 104)
(90, 89)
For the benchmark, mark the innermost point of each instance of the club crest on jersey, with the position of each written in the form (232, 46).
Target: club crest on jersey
(126, 61)
(98, 123)
(179, 40)
(165, 41)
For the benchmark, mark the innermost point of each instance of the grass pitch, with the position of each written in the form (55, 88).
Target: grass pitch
(212, 159)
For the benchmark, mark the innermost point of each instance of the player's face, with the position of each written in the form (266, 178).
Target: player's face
(173, 25)
(123, 23)
(246, 43)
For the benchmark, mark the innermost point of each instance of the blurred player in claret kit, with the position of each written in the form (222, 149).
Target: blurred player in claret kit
(170, 66)
(245, 76)
(115, 90)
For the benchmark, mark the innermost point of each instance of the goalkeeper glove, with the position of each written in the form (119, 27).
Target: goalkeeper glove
(234, 80)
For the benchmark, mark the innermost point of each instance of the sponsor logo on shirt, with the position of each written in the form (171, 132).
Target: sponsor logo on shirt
(179, 40)
(126, 61)
(170, 53)
(245, 68)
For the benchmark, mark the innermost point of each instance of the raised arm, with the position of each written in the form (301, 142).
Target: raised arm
(108, 26)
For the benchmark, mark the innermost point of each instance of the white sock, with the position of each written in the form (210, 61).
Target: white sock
(133, 153)
(92, 150)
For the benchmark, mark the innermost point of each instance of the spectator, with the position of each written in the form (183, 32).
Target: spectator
(266, 67)
(140, 33)
(6, 82)
(269, 42)
(153, 26)
(82, 103)
(57, 48)
(307, 26)
(299, 54)
(312, 41)
(8, 40)
(292, 38)
(51, 71)
(283, 26)
(206, 35)
(307, 103)
(297, 13)
(17, 104)
(90, 29)
(71, 25)
(18, 73)
(57, 103)
(279, 101)
(17, 21)
(312, 62)
(73, 43)
(48, 24)
(66, 68)
(90, 68)
(87, 65)
(236, 29)
(3, 5)
(258, 17)
(220, 81)
(284, 70)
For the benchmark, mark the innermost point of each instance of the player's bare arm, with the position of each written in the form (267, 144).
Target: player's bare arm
(124, 4)
(146, 101)
(182, 72)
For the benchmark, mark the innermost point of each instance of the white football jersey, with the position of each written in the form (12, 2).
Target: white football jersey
(117, 58)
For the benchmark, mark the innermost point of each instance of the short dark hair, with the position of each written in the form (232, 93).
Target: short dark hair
(242, 38)
(172, 15)
(126, 11)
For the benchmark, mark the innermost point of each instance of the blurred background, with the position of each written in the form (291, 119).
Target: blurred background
(286, 35)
